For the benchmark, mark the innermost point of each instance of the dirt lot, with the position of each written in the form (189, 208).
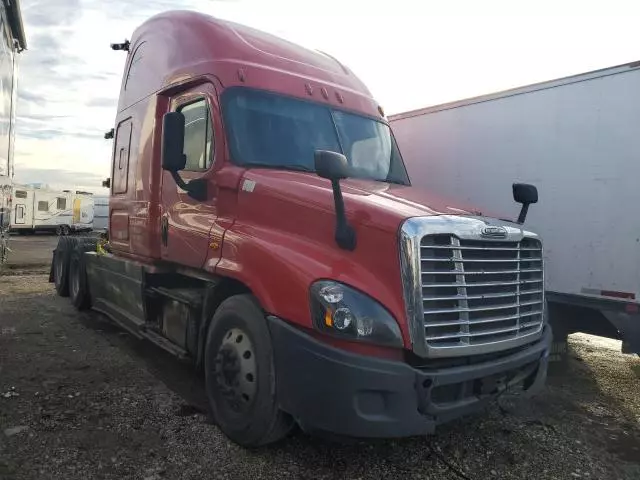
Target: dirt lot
(81, 399)
(31, 251)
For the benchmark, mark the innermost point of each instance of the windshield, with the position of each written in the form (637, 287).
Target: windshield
(274, 131)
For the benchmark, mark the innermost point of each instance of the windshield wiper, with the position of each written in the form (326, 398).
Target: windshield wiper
(297, 168)
(397, 182)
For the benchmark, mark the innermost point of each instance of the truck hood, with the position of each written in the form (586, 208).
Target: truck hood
(283, 231)
(377, 204)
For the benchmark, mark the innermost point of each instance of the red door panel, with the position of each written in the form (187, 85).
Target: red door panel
(186, 222)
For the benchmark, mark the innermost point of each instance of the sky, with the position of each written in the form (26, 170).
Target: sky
(410, 53)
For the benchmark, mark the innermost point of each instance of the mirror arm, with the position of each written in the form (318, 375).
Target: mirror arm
(179, 181)
(345, 234)
(196, 189)
(523, 213)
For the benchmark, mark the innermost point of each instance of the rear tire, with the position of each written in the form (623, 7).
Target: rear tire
(60, 266)
(240, 375)
(78, 284)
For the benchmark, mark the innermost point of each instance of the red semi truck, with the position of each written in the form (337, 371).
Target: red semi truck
(262, 224)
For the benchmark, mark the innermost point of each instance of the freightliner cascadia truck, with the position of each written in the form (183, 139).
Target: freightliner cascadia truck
(13, 42)
(262, 225)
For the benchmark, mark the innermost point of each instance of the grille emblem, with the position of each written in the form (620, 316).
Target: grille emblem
(491, 231)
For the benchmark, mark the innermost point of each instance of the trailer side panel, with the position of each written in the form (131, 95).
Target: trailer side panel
(577, 142)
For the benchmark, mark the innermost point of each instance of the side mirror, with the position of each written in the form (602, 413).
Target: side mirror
(331, 165)
(525, 194)
(334, 166)
(173, 157)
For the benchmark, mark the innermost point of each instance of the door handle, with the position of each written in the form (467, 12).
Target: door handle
(164, 230)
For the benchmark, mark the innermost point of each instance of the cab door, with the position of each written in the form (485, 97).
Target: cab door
(186, 222)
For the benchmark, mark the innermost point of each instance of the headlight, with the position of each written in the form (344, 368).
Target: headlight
(345, 312)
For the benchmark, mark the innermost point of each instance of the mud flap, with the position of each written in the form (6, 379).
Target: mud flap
(628, 324)
(535, 384)
(53, 261)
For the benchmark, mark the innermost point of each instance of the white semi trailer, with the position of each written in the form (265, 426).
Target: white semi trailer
(578, 140)
(101, 212)
(12, 42)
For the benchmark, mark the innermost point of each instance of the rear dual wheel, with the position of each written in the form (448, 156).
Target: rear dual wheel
(63, 230)
(240, 375)
(60, 266)
(69, 272)
(78, 284)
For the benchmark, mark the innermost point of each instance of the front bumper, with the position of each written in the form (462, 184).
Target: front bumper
(332, 390)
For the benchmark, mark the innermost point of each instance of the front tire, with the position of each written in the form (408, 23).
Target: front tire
(240, 375)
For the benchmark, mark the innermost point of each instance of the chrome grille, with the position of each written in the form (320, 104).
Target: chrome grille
(477, 292)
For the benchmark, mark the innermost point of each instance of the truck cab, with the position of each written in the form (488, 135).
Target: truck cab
(263, 225)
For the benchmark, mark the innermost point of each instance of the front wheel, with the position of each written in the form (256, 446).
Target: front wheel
(240, 375)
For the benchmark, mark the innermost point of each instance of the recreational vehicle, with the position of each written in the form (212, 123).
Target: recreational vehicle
(43, 209)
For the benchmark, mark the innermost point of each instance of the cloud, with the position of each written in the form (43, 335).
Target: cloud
(26, 96)
(44, 13)
(103, 102)
(69, 81)
(63, 179)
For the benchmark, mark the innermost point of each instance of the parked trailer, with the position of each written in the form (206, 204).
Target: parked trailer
(37, 209)
(12, 42)
(101, 212)
(284, 252)
(577, 140)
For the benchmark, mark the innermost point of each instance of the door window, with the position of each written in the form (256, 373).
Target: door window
(198, 135)
(43, 206)
(120, 175)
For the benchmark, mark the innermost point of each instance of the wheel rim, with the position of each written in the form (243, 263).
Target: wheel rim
(235, 370)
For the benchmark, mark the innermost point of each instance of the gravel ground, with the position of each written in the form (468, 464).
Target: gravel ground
(31, 250)
(81, 399)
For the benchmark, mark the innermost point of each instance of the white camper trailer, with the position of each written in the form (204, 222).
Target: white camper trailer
(42, 209)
